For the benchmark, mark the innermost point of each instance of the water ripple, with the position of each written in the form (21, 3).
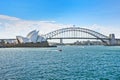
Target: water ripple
(73, 63)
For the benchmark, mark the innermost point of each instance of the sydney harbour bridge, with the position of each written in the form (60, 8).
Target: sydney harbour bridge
(80, 33)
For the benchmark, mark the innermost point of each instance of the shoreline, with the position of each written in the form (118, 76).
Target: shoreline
(27, 45)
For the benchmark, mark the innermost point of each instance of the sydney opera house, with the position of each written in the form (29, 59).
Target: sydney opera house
(32, 37)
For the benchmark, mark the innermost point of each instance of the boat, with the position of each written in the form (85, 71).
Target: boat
(60, 50)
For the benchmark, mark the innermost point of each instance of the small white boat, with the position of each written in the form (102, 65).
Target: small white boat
(60, 50)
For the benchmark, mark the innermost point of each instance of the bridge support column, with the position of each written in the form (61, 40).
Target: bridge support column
(112, 40)
(61, 41)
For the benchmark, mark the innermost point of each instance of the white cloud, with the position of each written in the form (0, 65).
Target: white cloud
(10, 27)
(4, 17)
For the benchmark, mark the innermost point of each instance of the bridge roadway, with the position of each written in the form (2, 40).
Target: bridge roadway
(76, 38)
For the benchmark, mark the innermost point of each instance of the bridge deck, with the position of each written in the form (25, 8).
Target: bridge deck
(76, 38)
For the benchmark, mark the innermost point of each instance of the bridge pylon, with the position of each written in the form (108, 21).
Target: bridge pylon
(61, 41)
(112, 40)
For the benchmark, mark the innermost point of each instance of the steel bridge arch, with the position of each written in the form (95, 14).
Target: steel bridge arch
(78, 29)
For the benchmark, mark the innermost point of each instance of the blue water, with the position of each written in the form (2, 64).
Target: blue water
(73, 63)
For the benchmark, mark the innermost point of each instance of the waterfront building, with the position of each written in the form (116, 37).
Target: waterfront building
(8, 41)
(32, 37)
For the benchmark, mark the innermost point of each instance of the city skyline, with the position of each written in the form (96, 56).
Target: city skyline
(21, 17)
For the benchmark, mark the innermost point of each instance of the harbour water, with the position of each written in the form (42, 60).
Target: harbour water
(72, 63)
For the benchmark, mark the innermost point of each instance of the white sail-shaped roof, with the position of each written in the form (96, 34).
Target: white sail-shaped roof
(31, 33)
(22, 39)
(31, 37)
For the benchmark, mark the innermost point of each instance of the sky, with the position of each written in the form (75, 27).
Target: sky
(18, 17)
